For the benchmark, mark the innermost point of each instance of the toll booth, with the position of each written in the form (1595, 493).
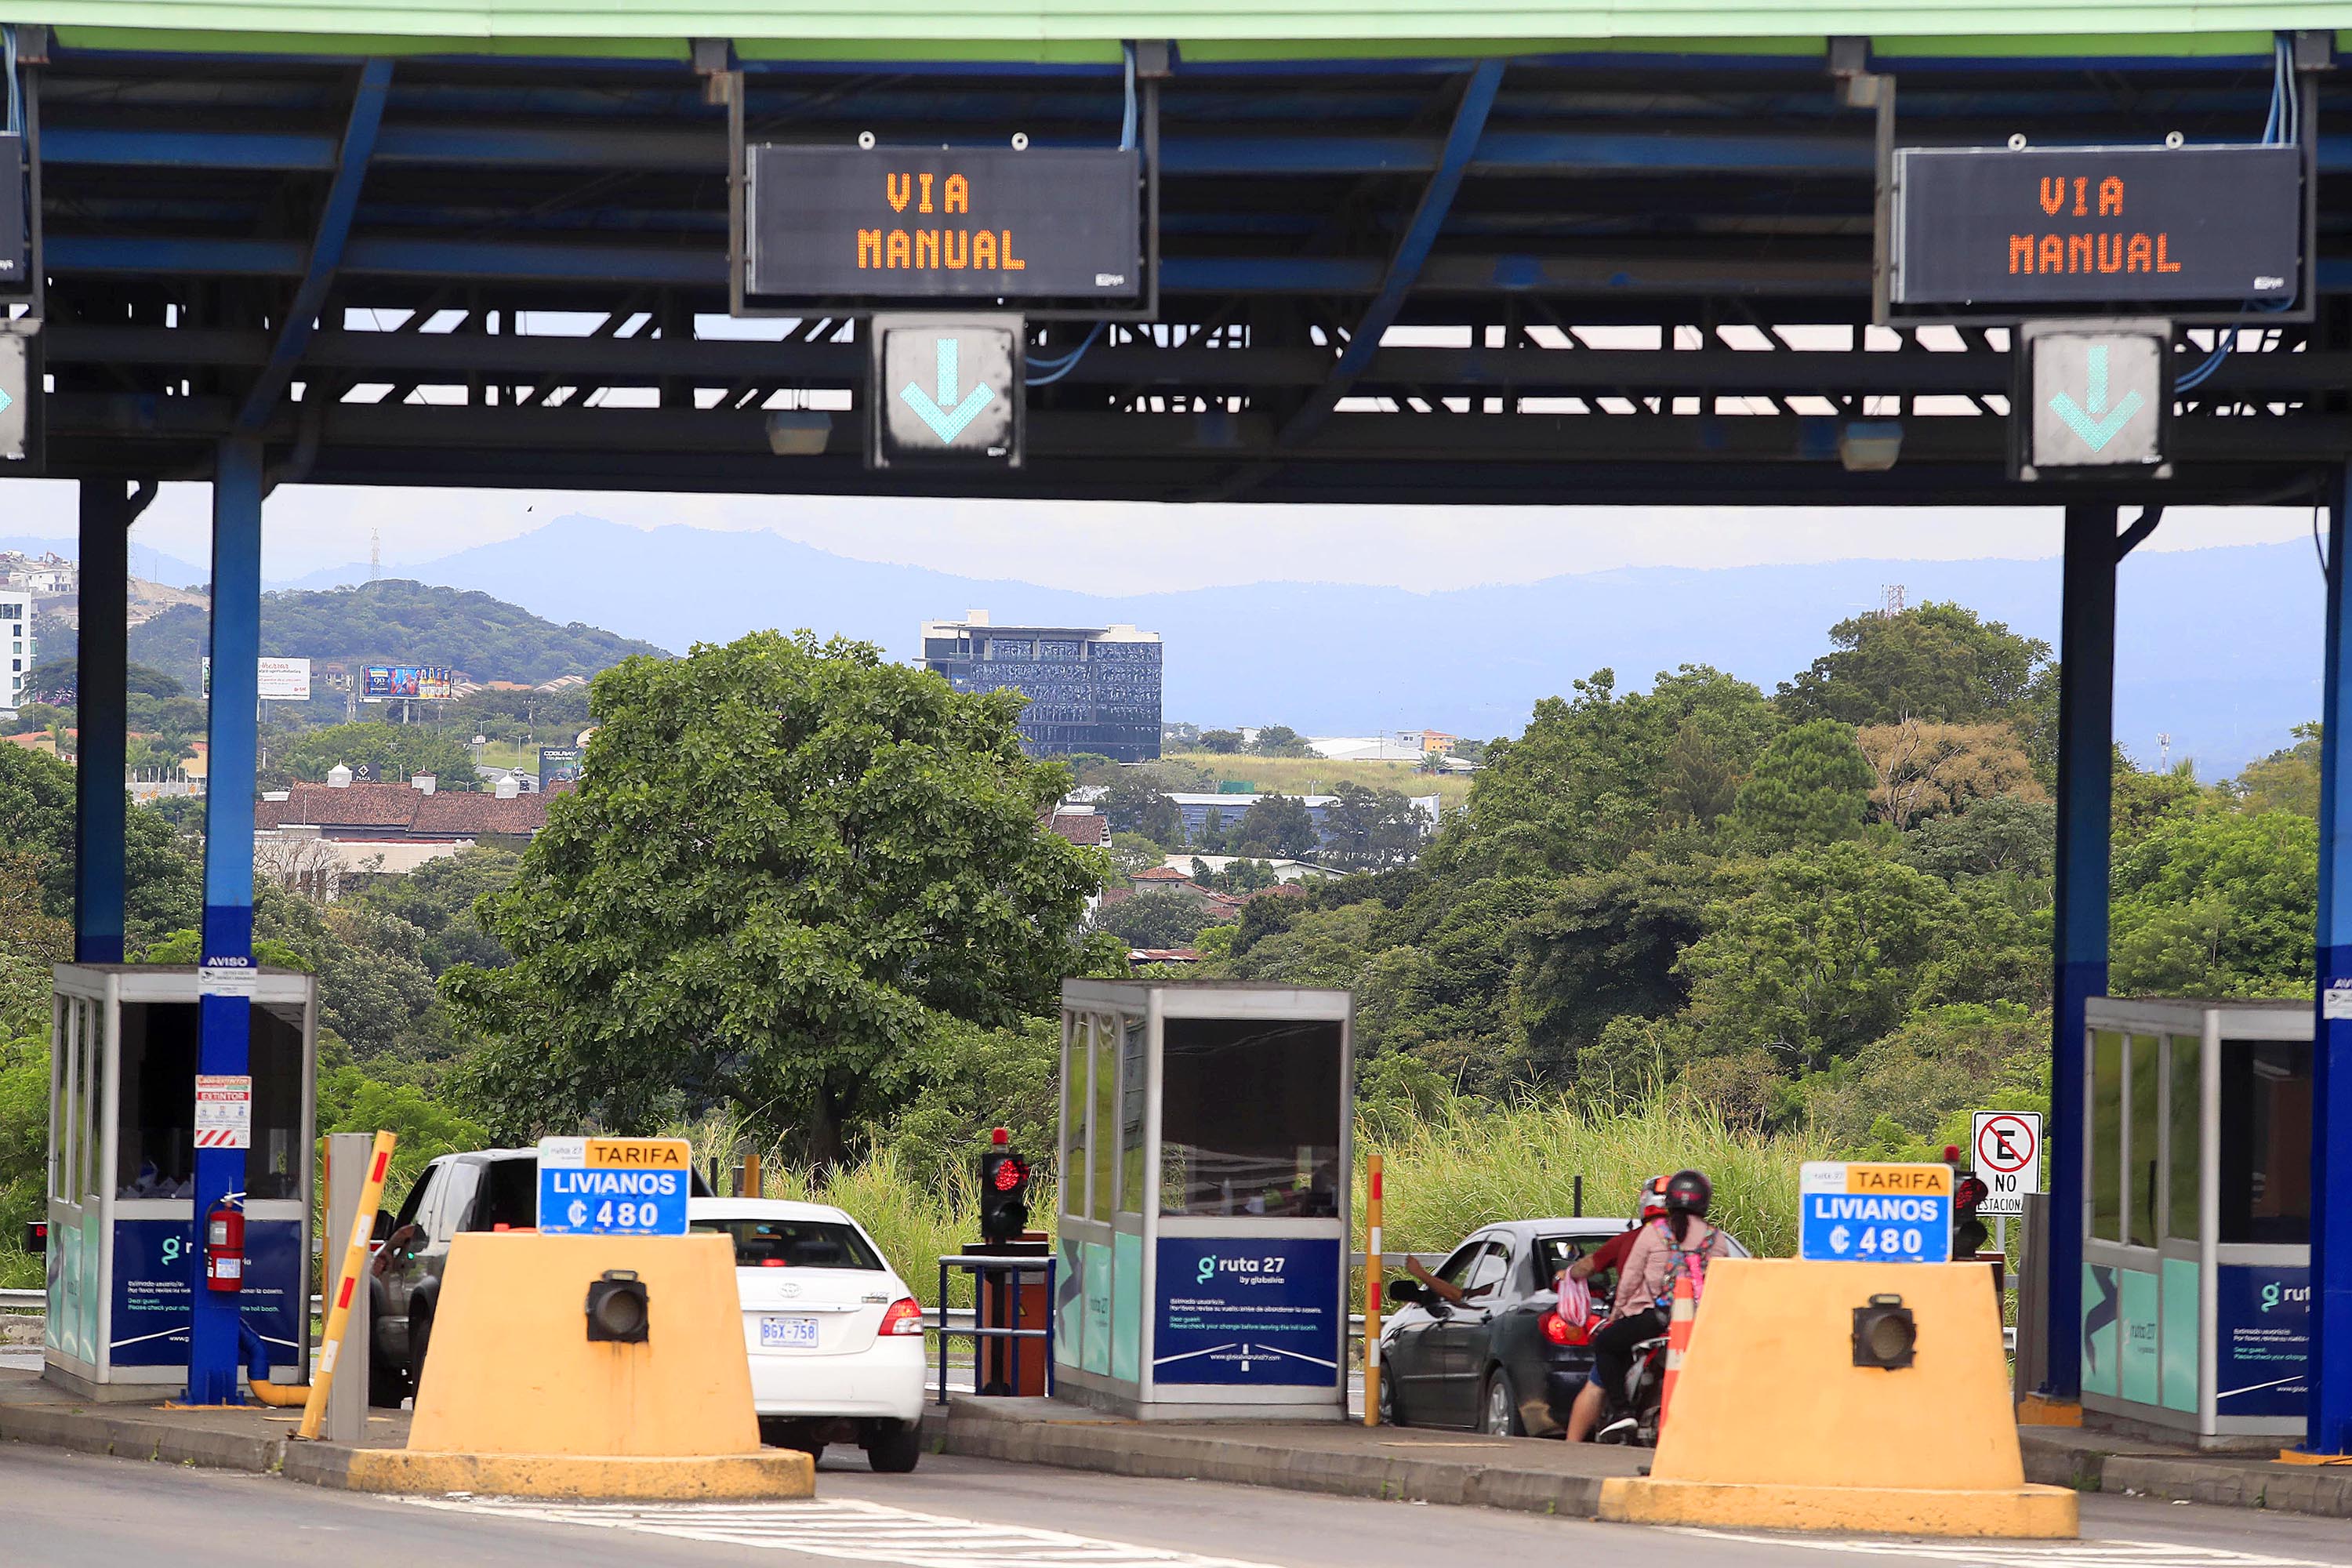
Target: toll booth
(2197, 1216)
(1203, 1198)
(122, 1263)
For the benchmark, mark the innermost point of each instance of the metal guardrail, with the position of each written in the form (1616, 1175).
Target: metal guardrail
(22, 1301)
(980, 1267)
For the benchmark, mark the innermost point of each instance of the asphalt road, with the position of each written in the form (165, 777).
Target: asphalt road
(65, 1511)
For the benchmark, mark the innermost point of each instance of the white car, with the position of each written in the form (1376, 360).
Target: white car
(836, 1337)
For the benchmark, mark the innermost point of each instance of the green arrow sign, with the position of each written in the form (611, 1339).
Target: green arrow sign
(2092, 419)
(944, 413)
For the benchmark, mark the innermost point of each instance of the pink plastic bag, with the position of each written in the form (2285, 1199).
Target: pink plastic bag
(1575, 1300)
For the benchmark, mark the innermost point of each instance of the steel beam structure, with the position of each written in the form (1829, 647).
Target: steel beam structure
(99, 701)
(224, 1008)
(2328, 1427)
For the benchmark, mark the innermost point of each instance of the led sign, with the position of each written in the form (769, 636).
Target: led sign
(1975, 226)
(828, 224)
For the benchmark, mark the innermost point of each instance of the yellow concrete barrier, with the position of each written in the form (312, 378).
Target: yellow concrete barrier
(514, 1398)
(1775, 1427)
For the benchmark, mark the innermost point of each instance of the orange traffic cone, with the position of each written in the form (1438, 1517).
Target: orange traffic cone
(1678, 1338)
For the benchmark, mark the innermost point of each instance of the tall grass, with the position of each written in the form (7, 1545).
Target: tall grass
(1442, 1179)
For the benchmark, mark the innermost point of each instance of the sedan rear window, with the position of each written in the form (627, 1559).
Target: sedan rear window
(794, 1242)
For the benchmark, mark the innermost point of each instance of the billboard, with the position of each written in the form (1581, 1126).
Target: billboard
(558, 764)
(397, 682)
(278, 680)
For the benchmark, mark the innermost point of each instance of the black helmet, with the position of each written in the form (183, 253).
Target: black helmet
(1687, 1192)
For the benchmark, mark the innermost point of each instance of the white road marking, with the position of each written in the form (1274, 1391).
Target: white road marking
(2029, 1553)
(859, 1532)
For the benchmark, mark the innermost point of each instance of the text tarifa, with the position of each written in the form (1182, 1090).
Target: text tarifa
(2114, 251)
(931, 250)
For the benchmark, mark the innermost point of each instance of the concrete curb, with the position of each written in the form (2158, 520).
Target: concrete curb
(1260, 1459)
(133, 1437)
(2222, 1480)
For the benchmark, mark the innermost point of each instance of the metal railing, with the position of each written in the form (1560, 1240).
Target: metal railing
(980, 1268)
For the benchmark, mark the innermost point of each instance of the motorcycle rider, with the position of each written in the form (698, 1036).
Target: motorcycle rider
(1609, 1257)
(1662, 1250)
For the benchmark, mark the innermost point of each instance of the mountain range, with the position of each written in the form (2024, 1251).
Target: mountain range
(2218, 649)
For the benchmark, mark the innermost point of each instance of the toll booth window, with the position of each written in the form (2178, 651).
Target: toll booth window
(2107, 1135)
(2267, 1143)
(1131, 1095)
(2145, 1085)
(1249, 1116)
(1101, 1153)
(274, 1164)
(154, 1137)
(792, 1243)
(2188, 1133)
(1075, 1052)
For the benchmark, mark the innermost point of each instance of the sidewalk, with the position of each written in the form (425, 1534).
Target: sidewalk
(2102, 1462)
(254, 1438)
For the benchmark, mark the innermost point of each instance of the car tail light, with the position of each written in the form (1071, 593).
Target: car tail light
(1560, 1331)
(905, 1317)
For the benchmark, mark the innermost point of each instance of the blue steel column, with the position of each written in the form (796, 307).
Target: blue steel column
(225, 1018)
(2329, 1419)
(98, 704)
(2086, 695)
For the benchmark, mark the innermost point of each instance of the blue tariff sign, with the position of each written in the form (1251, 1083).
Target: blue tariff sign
(1851, 1212)
(613, 1186)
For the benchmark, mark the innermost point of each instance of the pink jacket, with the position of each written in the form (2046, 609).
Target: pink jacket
(1647, 1276)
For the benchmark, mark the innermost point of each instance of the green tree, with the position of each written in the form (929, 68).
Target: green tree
(1138, 805)
(1154, 919)
(1371, 830)
(1812, 786)
(439, 899)
(2000, 834)
(1132, 852)
(2220, 905)
(396, 752)
(974, 1079)
(1939, 662)
(2286, 780)
(1836, 945)
(1597, 776)
(1275, 827)
(1931, 1070)
(1224, 743)
(784, 861)
(1211, 839)
(1281, 741)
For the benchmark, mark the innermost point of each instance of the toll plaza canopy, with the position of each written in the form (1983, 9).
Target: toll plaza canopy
(1393, 252)
(1621, 248)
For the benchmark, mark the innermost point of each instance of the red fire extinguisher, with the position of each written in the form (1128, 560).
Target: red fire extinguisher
(225, 1245)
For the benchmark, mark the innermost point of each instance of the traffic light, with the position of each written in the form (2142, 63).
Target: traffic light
(618, 1312)
(1884, 1334)
(1004, 1190)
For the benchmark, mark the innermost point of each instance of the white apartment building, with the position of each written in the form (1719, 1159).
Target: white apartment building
(16, 645)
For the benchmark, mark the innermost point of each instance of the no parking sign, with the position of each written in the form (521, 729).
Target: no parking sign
(2009, 1160)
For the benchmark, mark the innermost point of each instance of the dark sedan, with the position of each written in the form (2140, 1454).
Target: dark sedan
(1501, 1360)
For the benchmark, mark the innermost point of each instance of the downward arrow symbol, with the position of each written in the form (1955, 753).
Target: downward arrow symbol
(946, 415)
(2094, 431)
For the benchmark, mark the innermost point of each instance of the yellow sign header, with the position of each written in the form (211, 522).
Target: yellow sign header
(1899, 1181)
(639, 1154)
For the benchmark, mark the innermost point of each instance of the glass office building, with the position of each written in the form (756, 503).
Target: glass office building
(1090, 689)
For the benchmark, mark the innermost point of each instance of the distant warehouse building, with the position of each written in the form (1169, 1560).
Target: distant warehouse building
(1090, 689)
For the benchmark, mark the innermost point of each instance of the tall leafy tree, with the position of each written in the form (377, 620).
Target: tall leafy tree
(1938, 662)
(1371, 830)
(1138, 805)
(1275, 827)
(1811, 786)
(785, 861)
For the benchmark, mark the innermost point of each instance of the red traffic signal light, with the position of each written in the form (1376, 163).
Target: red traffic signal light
(1003, 1191)
(1010, 1172)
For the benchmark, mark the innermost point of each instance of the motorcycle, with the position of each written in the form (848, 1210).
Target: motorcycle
(1630, 1416)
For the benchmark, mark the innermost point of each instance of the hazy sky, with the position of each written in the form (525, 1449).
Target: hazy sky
(1131, 548)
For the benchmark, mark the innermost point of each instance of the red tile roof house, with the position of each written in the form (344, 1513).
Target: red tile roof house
(403, 812)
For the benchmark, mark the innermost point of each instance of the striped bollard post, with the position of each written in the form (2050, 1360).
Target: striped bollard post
(1678, 1338)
